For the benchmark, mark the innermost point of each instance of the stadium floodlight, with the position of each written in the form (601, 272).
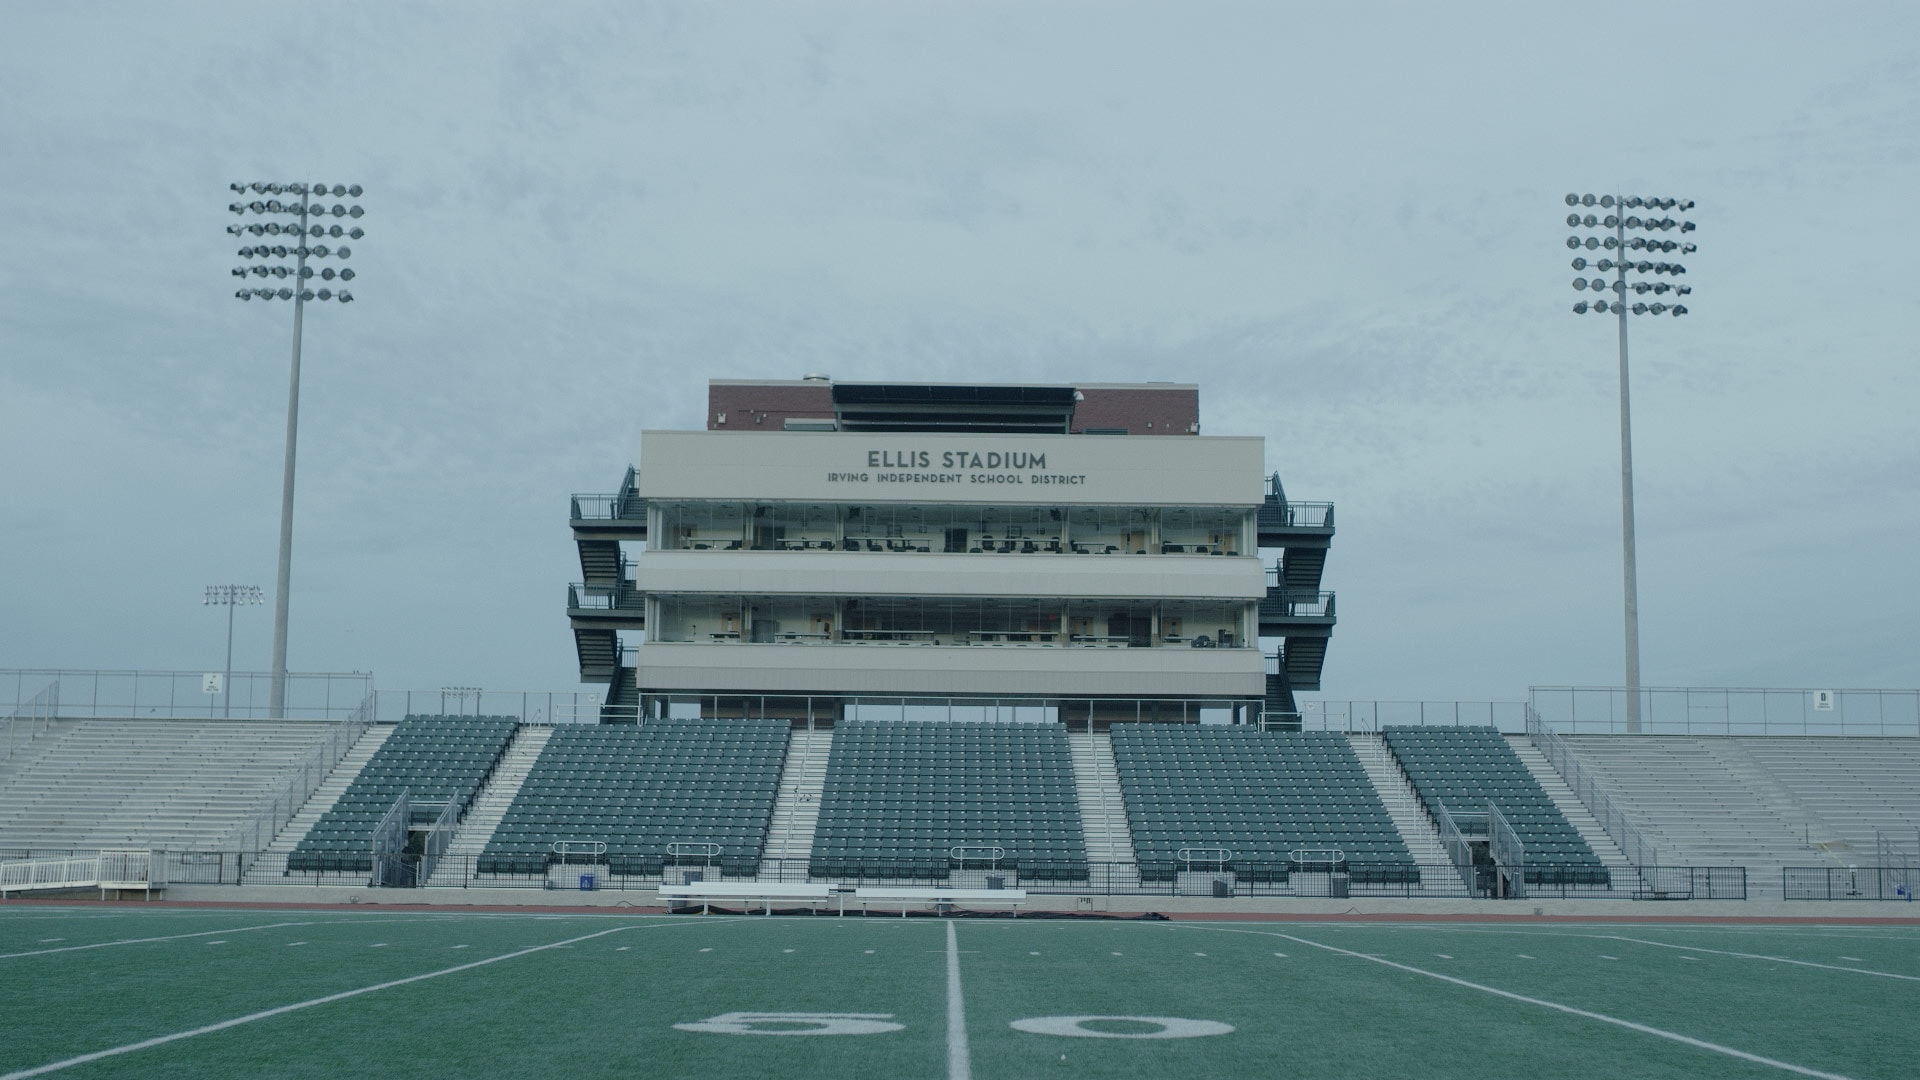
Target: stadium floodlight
(230, 597)
(1620, 309)
(305, 214)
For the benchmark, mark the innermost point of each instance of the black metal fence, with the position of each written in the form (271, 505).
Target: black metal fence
(1432, 881)
(1849, 882)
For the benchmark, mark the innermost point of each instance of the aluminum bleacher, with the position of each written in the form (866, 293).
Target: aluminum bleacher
(1261, 804)
(178, 785)
(1758, 802)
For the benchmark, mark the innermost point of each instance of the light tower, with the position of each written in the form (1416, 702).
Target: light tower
(272, 243)
(1629, 255)
(230, 597)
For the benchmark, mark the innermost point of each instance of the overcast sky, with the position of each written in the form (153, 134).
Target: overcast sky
(1344, 222)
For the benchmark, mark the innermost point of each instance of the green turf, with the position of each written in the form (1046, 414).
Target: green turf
(606, 1004)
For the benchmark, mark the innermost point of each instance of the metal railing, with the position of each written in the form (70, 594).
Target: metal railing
(1848, 882)
(439, 837)
(1300, 603)
(144, 695)
(1363, 717)
(1410, 881)
(625, 504)
(31, 718)
(1508, 851)
(1639, 851)
(389, 863)
(1580, 710)
(1459, 852)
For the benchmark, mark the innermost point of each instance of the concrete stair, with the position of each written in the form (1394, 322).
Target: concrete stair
(1403, 806)
(1624, 877)
(1103, 810)
(490, 806)
(796, 810)
(270, 867)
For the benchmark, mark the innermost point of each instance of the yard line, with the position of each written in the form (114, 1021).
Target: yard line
(264, 1014)
(145, 940)
(1630, 1025)
(959, 1061)
(1775, 959)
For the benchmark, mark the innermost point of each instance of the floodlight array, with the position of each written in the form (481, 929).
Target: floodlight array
(231, 595)
(294, 239)
(1620, 222)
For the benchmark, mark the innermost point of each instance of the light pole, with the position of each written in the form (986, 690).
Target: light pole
(1622, 261)
(230, 597)
(271, 263)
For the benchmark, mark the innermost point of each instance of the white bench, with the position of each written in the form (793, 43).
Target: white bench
(706, 893)
(941, 899)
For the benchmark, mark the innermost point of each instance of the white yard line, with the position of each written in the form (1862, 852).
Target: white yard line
(145, 940)
(264, 1014)
(1687, 1040)
(959, 1061)
(1757, 956)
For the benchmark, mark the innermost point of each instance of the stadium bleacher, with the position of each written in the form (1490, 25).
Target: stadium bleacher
(1279, 802)
(173, 784)
(639, 789)
(1466, 769)
(899, 796)
(431, 758)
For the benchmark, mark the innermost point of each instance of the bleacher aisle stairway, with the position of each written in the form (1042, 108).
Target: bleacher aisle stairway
(1619, 868)
(1403, 806)
(270, 867)
(490, 805)
(1103, 811)
(796, 811)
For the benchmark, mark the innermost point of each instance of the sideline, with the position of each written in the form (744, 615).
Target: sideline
(1756, 956)
(959, 1059)
(145, 940)
(264, 1014)
(1630, 1025)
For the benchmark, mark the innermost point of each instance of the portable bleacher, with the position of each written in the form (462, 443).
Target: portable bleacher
(433, 759)
(1466, 769)
(1275, 802)
(912, 799)
(706, 784)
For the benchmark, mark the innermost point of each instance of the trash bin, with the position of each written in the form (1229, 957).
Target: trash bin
(1222, 888)
(996, 881)
(1338, 887)
(586, 883)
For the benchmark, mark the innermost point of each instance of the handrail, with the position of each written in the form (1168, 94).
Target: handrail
(1189, 856)
(1458, 850)
(439, 838)
(390, 839)
(1508, 851)
(1633, 844)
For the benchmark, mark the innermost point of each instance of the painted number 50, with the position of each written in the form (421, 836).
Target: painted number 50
(795, 1023)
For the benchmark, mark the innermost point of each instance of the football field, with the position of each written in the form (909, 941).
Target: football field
(111, 992)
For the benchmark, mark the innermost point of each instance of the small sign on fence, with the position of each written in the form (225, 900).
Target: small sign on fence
(210, 682)
(1823, 701)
